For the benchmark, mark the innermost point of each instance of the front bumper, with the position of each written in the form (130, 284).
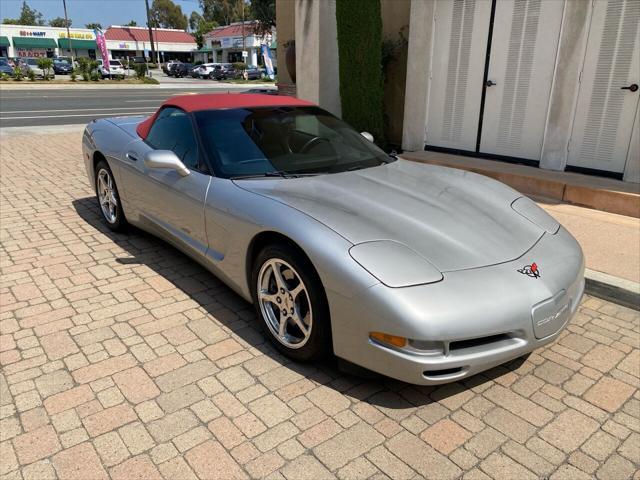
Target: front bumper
(482, 317)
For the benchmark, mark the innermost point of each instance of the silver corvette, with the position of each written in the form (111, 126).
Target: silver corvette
(422, 273)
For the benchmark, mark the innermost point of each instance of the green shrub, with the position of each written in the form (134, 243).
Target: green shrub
(199, 62)
(73, 75)
(150, 81)
(95, 76)
(141, 70)
(84, 67)
(17, 73)
(4, 77)
(359, 26)
(240, 66)
(45, 64)
(32, 75)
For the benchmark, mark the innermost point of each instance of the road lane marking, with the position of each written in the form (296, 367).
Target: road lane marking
(114, 114)
(75, 110)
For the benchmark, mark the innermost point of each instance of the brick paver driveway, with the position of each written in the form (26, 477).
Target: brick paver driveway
(123, 358)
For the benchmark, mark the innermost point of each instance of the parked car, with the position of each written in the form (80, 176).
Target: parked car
(32, 64)
(223, 71)
(115, 69)
(62, 66)
(167, 65)
(253, 73)
(170, 67)
(422, 273)
(6, 68)
(206, 70)
(182, 70)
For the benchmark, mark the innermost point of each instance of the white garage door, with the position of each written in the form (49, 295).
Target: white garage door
(523, 53)
(459, 54)
(608, 98)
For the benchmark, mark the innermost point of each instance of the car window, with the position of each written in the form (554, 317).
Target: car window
(115, 63)
(172, 130)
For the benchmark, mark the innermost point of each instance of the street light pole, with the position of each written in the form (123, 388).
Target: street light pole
(66, 21)
(153, 48)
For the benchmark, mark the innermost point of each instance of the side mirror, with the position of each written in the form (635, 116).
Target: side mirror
(367, 135)
(165, 159)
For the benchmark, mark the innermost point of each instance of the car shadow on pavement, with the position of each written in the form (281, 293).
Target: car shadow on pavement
(237, 315)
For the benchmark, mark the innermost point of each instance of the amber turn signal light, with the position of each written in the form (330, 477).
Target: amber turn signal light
(388, 339)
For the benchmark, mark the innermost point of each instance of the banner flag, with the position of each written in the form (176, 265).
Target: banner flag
(266, 56)
(102, 46)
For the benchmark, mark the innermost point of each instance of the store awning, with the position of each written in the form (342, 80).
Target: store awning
(205, 50)
(4, 41)
(31, 42)
(78, 44)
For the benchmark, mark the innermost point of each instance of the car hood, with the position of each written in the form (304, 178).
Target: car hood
(128, 123)
(453, 218)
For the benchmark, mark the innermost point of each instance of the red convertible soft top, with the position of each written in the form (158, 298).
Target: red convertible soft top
(214, 101)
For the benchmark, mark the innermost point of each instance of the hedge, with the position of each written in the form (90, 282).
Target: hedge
(359, 25)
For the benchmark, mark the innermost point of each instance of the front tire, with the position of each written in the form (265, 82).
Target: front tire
(109, 198)
(291, 304)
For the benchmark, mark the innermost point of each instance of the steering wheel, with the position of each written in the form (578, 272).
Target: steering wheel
(312, 143)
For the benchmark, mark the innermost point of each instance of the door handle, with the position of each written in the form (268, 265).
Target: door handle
(491, 83)
(132, 157)
(633, 87)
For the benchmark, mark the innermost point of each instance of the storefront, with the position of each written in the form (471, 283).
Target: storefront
(227, 43)
(170, 44)
(41, 41)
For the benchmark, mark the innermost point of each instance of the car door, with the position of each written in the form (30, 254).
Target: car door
(173, 204)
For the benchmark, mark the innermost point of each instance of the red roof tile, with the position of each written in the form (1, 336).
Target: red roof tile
(232, 30)
(141, 34)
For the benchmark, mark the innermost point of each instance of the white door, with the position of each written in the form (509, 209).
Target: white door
(522, 61)
(608, 97)
(459, 54)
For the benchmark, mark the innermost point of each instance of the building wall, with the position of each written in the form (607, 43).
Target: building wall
(54, 33)
(395, 26)
(286, 21)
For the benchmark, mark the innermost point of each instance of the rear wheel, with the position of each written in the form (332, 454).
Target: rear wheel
(291, 303)
(108, 198)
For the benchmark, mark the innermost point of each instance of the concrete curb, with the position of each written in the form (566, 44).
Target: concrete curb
(4, 87)
(614, 289)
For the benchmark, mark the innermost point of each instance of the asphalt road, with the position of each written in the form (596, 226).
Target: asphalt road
(45, 107)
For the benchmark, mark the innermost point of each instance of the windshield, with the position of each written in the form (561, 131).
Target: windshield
(31, 61)
(61, 62)
(115, 63)
(293, 140)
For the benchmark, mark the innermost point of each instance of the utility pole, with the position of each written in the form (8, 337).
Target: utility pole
(153, 48)
(66, 20)
(244, 59)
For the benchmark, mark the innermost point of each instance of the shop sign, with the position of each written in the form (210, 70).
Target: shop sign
(124, 46)
(226, 42)
(77, 35)
(36, 53)
(28, 33)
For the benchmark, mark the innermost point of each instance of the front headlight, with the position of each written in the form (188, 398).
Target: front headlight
(532, 212)
(394, 264)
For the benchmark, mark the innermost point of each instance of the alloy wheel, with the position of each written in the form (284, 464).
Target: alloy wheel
(284, 303)
(107, 196)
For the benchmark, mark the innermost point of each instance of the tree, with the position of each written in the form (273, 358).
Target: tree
(93, 26)
(132, 23)
(59, 22)
(166, 14)
(28, 16)
(224, 12)
(264, 11)
(199, 26)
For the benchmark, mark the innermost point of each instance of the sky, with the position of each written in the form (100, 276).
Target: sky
(81, 12)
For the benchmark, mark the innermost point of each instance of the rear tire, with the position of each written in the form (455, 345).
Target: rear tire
(292, 305)
(108, 198)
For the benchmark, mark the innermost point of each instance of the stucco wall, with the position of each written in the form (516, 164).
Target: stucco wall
(418, 67)
(317, 66)
(564, 92)
(286, 25)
